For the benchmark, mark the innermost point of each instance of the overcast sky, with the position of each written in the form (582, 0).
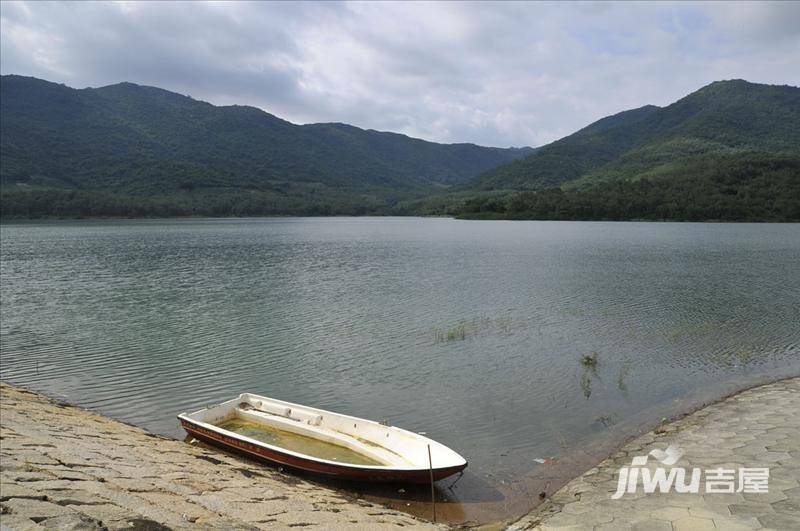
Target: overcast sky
(494, 74)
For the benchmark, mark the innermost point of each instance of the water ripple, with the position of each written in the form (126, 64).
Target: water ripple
(470, 331)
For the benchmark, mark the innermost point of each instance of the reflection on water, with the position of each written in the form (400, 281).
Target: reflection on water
(473, 332)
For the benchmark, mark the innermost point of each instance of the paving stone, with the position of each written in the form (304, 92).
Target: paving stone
(670, 513)
(737, 524)
(765, 497)
(780, 521)
(706, 512)
(693, 524)
(791, 506)
(22, 490)
(18, 523)
(652, 525)
(26, 476)
(753, 509)
(36, 510)
(73, 522)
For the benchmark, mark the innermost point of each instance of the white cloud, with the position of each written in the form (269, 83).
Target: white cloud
(490, 73)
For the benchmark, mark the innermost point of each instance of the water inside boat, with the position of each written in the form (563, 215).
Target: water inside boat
(297, 443)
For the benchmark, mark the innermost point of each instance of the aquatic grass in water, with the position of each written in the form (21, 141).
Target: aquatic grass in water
(458, 332)
(586, 385)
(622, 375)
(484, 326)
(604, 420)
(590, 361)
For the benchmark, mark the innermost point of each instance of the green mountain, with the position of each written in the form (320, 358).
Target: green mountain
(723, 120)
(127, 149)
(730, 151)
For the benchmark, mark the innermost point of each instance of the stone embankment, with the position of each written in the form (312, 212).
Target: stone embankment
(756, 429)
(66, 468)
(63, 467)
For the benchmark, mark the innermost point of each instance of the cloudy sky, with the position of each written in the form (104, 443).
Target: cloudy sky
(494, 74)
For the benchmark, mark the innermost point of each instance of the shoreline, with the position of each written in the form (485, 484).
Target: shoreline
(755, 427)
(23, 220)
(69, 467)
(576, 463)
(580, 465)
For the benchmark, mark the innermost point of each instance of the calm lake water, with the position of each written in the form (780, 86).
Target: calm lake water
(472, 331)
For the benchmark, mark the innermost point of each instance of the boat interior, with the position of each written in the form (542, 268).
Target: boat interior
(324, 435)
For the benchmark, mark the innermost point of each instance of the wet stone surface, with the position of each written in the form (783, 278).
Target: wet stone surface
(758, 428)
(66, 468)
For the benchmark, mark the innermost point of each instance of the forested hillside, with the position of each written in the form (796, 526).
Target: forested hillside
(127, 149)
(725, 118)
(729, 151)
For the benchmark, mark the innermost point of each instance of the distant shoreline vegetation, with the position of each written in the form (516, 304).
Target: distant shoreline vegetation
(71, 204)
(743, 188)
(765, 192)
(756, 188)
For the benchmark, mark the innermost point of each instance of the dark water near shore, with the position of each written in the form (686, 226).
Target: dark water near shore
(470, 331)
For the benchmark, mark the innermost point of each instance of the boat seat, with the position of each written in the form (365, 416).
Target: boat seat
(312, 419)
(272, 409)
(316, 420)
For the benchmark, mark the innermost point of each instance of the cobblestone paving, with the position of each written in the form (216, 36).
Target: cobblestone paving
(65, 468)
(756, 428)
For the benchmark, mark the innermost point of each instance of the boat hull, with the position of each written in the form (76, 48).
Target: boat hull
(340, 471)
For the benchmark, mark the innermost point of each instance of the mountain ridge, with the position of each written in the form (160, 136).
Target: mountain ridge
(125, 125)
(728, 151)
(724, 115)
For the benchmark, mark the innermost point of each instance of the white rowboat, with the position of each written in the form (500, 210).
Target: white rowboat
(321, 441)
